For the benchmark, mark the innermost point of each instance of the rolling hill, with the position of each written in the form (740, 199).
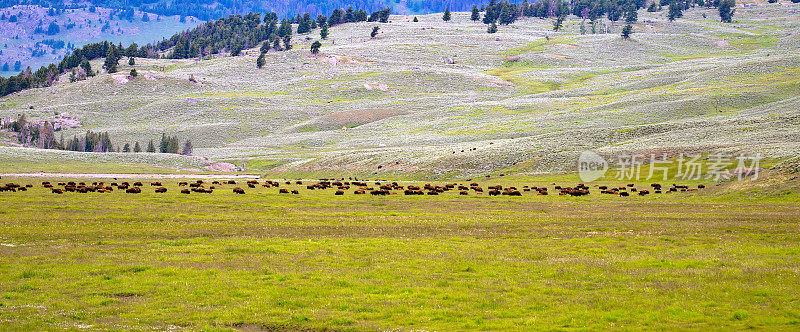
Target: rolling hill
(443, 99)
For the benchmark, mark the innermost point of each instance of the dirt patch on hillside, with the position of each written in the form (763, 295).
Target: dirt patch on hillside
(348, 119)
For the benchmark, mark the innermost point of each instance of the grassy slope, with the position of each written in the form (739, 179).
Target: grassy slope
(717, 259)
(690, 85)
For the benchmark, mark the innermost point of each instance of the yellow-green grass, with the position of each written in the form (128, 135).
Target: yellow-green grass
(319, 261)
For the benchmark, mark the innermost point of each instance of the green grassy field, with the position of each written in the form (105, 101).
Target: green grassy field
(721, 258)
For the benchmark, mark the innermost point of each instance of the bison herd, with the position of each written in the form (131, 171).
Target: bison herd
(342, 186)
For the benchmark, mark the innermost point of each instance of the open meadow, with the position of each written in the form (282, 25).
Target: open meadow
(722, 257)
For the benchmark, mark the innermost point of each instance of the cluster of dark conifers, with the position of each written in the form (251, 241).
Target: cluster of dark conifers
(376, 188)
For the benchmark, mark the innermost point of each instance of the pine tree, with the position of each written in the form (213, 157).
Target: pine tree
(287, 42)
(261, 61)
(127, 147)
(558, 23)
(627, 31)
(446, 16)
(137, 147)
(304, 26)
(315, 47)
(374, 32)
(507, 14)
(87, 67)
(111, 60)
(726, 10)
(492, 28)
(631, 15)
(134, 73)
(187, 148)
(164, 145)
(150, 147)
(674, 11)
(131, 61)
(476, 15)
(416, 19)
(323, 33)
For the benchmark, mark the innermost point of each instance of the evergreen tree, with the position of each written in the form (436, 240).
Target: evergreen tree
(674, 11)
(131, 61)
(260, 62)
(285, 29)
(163, 147)
(627, 31)
(304, 25)
(631, 15)
(476, 15)
(315, 47)
(726, 10)
(558, 23)
(87, 67)
(374, 32)
(145, 18)
(134, 73)
(137, 147)
(150, 147)
(323, 33)
(416, 19)
(446, 16)
(237, 50)
(126, 148)
(287, 42)
(492, 28)
(187, 148)
(111, 60)
(276, 43)
(507, 14)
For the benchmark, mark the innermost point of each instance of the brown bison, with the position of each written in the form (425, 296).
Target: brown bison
(238, 190)
(161, 190)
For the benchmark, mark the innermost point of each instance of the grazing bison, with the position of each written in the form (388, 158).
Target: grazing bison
(494, 192)
(464, 193)
(134, 190)
(295, 192)
(238, 190)
(182, 184)
(339, 192)
(185, 191)
(161, 190)
(156, 184)
(57, 191)
(283, 191)
(624, 194)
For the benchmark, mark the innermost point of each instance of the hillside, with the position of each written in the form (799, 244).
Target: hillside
(524, 100)
(27, 37)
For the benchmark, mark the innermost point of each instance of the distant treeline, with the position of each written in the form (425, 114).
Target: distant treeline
(42, 134)
(230, 34)
(215, 9)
